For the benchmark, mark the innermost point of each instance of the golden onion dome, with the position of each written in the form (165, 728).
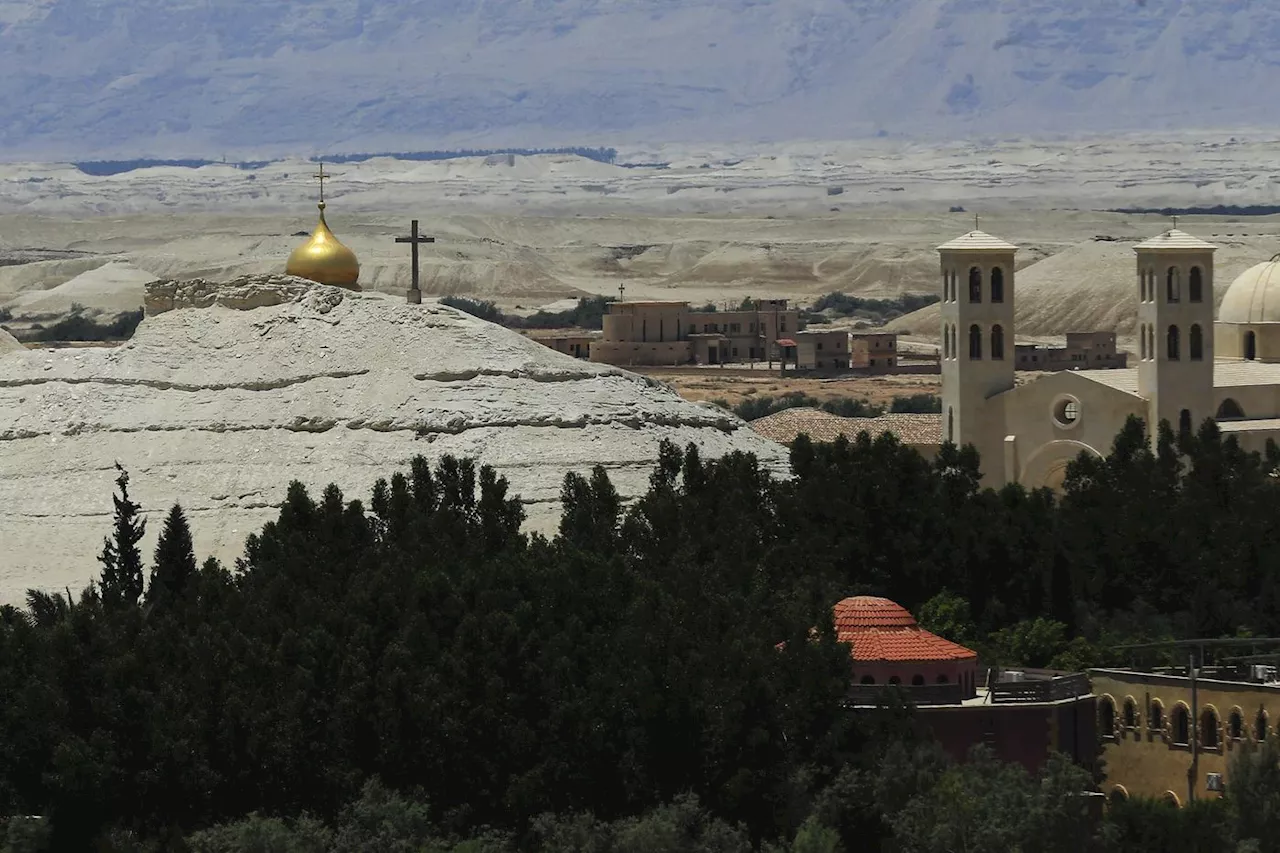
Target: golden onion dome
(324, 259)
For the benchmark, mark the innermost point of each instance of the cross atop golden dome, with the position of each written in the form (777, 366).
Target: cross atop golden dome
(323, 258)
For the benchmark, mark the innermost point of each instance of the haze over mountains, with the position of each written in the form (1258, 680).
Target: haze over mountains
(97, 78)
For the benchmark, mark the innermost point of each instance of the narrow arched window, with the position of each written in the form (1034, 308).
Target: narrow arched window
(1155, 716)
(1260, 726)
(975, 342)
(1209, 729)
(997, 342)
(975, 284)
(1195, 285)
(997, 285)
(1130, 714)
(1250, 346)
(1144, 281)
(1106, 718)
(917, 680)
(1171, 285)
(951, 424)
(1235, 726)
(1171, 350)
(1181, 726)
(868, 679)
(1196, 344)
(1184, 422)
(1142, 333)
(1229, 408)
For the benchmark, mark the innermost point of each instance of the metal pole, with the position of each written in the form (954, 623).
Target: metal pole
(1193, 771)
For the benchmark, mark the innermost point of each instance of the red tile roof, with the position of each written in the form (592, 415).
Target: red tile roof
(881, 630)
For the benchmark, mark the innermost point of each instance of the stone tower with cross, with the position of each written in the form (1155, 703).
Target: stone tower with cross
(977, 342)
(1175, 329)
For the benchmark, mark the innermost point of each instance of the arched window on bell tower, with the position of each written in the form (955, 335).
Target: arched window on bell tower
(975, 284)
(975, 342)
(1195, 285)
(997, 342)
(997, 284)
(1171, 285)
(1195, 343)
(1171, 348)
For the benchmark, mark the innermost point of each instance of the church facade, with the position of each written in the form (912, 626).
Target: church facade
(1029, 432)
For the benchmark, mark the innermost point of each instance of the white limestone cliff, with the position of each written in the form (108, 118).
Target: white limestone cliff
(229, 391)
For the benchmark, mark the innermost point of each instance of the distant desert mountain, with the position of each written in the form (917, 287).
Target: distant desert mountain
(87, 78)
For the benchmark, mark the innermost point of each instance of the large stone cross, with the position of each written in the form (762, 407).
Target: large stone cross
(414, 239)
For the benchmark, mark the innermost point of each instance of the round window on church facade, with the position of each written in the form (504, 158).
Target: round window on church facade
(1066, 412)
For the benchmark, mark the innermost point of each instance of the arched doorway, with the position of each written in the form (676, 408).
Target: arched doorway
(1229, 408)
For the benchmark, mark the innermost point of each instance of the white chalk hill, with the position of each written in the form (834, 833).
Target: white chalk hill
(228, 392)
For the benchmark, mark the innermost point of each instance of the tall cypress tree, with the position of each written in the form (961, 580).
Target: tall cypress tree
(121, 558)
(175, 562)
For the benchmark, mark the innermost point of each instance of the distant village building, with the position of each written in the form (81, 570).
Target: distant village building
(1162, 739)
(1022, 716)
(822, 349)
(574, 342)
(920, 431)
(875, 352)
(1084, 351)
(671, 333)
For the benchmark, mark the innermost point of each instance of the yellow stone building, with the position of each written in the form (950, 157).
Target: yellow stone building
(1028, 433)
(1159, 740)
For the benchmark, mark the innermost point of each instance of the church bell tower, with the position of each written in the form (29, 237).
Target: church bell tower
(977, 343)
(1175, 330)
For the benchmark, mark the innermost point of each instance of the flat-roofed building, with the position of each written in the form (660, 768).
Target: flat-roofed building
(1162, 739)
(1083, 351)
(574, 342)
(876, 352)
(662, 332)
(822, 349)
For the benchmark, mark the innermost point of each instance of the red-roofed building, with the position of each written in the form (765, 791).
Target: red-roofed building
(1022, 715)
(890, 648)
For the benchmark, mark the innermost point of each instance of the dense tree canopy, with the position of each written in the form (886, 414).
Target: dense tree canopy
(666, 669)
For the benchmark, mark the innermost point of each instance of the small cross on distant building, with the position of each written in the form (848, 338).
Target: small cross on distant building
(414, 296)
(622, 291)
(975, 223)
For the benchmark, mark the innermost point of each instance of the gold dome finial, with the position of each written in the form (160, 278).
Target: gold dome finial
(323, 258)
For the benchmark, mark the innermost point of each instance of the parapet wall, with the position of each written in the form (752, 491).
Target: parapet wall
(241, 294)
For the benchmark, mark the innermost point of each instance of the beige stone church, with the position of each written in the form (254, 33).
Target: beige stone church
(1189, 366)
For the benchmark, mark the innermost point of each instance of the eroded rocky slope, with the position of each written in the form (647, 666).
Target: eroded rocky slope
(229, 391)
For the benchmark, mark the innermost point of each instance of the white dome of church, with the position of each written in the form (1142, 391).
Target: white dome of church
(1254, 297)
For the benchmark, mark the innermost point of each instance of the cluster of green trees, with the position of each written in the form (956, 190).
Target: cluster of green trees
(754, 407)
(504, 689)
(83, 326)
(587, 314)
(875, 311)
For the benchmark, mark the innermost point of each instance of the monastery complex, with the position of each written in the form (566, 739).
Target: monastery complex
(1190, 367)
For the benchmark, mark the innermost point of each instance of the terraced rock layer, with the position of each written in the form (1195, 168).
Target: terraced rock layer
(229, 391)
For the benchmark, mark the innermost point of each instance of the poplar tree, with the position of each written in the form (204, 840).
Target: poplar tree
(121, 558)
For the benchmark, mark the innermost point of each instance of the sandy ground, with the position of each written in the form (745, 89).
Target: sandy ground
(714, 225)
(734, 386)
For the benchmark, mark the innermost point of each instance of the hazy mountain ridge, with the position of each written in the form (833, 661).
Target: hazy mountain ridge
(100, 77)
